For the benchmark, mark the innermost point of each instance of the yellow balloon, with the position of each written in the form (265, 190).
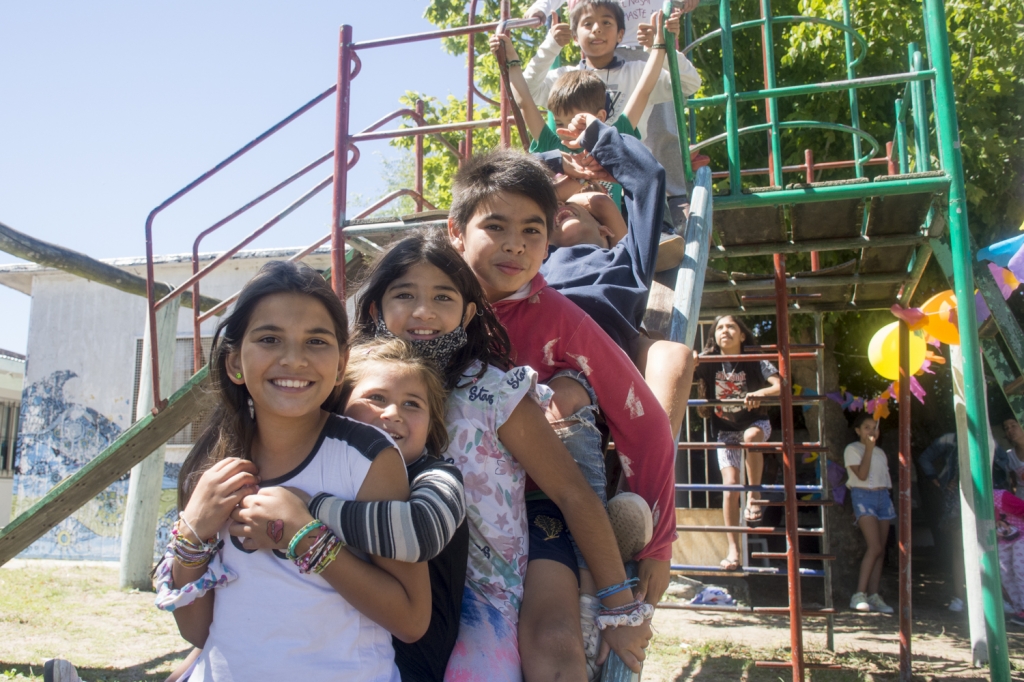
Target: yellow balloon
(884, 351)
(938, 308)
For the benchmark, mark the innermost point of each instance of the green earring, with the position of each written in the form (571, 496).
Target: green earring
(238, 375)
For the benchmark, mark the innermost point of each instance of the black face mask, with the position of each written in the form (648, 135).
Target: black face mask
(440, 349)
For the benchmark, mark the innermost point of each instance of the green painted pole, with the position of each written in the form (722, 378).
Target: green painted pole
(851, 73)
(771, 104)
(974, 389)
(732, 126)
(678, 98)
(918, 108)
(901, 136)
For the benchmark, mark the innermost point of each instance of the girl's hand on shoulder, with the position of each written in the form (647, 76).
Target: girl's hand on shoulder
(269, 518)
(218, 490)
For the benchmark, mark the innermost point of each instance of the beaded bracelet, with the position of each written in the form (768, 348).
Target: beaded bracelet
(615, 589)
(513, 62)
(629, 615)
(297, 538)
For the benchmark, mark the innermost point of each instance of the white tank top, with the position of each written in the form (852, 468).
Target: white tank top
(274, 623)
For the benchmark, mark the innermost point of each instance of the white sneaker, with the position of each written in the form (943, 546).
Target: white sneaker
(878, 605)
(59, 670)
(859, 602)
(589, 608)
(632, 522)
(957, 605)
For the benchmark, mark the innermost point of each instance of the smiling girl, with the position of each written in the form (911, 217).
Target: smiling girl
(282, 598)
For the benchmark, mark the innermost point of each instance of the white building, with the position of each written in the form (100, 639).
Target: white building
(12, 374)
(80, 387)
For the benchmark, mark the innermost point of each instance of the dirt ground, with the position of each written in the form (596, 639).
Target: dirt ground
(74, 610)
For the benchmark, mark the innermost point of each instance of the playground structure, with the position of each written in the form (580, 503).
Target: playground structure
(891, 225)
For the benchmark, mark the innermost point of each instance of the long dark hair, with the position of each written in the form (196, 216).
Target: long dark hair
(487, 342)
(229, 430)
(711, 346)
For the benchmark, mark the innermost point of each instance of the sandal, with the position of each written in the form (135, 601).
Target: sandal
(753, 514)
(730, 564)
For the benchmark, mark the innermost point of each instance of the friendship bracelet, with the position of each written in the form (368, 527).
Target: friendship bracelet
(630, 615)
(297, 538)
(513, 62)
(615, 589)
(189, 526)
(659, 46)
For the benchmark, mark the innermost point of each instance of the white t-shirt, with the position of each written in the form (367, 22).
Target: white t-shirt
(273, 623)
(635, 12)
(878, 474)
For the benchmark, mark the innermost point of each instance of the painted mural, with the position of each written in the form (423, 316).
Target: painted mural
(57, 437)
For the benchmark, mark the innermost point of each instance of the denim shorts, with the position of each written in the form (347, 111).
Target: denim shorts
(549, 535)
(733, 457)
(877, 503)
(581, 437)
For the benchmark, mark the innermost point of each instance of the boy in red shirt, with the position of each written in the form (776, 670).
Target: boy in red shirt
(503, 206)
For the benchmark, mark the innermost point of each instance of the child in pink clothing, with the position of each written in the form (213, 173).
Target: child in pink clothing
(502, 208)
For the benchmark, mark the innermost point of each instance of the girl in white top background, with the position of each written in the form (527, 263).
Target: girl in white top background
(870, 485)
(264, 589)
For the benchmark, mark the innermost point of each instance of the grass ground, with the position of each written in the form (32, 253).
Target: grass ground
(76, 611)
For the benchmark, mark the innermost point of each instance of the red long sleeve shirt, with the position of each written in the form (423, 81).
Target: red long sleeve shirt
(550, 333)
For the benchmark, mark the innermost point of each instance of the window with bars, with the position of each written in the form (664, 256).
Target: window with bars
(183, 371)
(9, 410)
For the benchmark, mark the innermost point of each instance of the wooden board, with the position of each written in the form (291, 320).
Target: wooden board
(134, 445)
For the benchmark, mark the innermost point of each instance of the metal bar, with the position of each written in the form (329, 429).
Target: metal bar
(751, 357)
(783, 555)
(504, 94)
(1008, 326)
(851, 73)
(689, 285)
(906, 623)
(721, 487)
(747, 570)
(800, 503)
(342, 141)
(851, 243)
(419, 160)
(708, 314)
(827, 165)
(922, 154)
(833, 281)
(974, 379)
(447, 33)
(471, 84)
(826, 493)
(901, 136)
(756, 447)
(752, 530)
(789, 468)
(814, 88)
(771, 104)
(805, 195)
(797, 400)
(762, 610)
(424, 130)
(731, 115)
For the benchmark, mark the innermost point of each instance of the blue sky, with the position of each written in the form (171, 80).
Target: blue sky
(111, 107)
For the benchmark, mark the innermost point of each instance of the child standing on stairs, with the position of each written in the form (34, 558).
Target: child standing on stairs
(736, 423)
(323, 612)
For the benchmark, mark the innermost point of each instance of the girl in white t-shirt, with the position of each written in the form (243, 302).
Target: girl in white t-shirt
(870, 486)
(264, 589)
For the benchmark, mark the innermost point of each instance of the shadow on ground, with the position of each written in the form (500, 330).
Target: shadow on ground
(135, 673)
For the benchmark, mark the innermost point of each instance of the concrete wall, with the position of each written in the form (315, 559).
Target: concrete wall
(12, 374)
(78, 396)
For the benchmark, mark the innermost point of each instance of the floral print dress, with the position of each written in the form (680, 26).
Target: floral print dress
(494, 481)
